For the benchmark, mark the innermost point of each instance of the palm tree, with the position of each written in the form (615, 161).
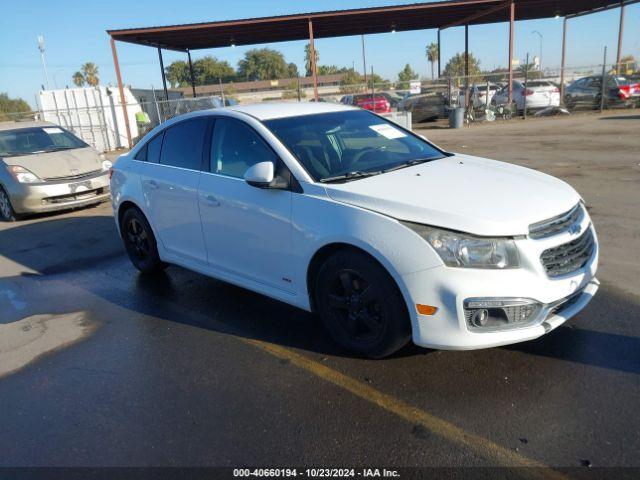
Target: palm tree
(307, 58)
(78, 79)
(432, 55)
(90, 72)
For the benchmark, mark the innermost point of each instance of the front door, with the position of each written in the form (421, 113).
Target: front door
(247, 230)
(170, 182)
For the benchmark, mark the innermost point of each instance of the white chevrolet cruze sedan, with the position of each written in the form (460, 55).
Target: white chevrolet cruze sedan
(336, 210)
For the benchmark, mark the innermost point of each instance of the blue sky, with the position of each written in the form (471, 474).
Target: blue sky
(74, 31)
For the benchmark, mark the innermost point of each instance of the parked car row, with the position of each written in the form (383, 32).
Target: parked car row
(537, 94)
(587, 92)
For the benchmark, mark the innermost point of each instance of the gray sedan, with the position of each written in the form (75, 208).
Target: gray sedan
(44, 167)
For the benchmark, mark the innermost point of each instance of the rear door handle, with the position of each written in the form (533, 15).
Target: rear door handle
(212, 201)
(152, 184)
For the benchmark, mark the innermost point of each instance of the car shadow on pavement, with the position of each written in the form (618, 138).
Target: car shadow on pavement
(589, 347)
(86, 253)
(622, 117)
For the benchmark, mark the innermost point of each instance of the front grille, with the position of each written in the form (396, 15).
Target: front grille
(73, 197)
(568, 257)
(72, 177)
(551, 226)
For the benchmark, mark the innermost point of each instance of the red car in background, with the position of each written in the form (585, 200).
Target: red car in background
(375, 103)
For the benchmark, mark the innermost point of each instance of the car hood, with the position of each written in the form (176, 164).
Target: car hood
(464, 193)
(65, 163)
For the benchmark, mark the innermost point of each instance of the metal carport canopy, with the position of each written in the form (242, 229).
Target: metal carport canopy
(342, 23)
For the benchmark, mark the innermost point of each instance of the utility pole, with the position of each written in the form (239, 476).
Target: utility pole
(44, 64)
(540, 56)
(603, 82)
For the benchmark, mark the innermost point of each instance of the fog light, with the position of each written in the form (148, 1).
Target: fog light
(480, 317)
(490, 314)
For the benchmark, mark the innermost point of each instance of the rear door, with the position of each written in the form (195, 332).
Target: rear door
(170, 180)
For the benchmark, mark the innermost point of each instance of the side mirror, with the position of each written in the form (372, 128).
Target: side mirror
(260, 175)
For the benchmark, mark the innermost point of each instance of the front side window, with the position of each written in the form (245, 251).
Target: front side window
(182, 145)
(350, 144)
(235, 147)
(27, 141)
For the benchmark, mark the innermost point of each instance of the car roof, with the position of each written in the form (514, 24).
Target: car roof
(27, 124)
(271, 110)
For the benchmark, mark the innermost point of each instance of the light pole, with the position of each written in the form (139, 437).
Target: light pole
(44, 65)
(540, 57)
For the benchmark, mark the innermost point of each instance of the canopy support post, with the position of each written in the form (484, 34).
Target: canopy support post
(121, 89)
(312, 52)
(164, 77)
(438, 53)
(563, 60)
(620, 32)
(512, 15)
(193, 78)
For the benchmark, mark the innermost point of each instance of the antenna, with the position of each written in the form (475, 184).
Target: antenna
(44, 64)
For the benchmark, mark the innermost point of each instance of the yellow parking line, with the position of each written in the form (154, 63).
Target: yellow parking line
(483, 447)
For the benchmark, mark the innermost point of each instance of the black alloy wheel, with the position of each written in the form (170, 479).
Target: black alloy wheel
(361, 305)
(140, 242)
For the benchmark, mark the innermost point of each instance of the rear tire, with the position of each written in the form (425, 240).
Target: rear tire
(361, 306)
(7, 213)
(140, 242)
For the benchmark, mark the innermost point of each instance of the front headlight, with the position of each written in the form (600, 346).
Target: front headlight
(463, 250)
(106, 165)
(22, 175)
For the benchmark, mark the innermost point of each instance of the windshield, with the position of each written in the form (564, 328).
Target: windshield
(25, 141)
(346, 145)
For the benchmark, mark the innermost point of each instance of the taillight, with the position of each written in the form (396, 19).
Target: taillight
(623, 94)
(555, 90)
(527, 92)
(110, 173)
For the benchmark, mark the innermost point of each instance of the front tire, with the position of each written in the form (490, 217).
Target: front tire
(361, 306)
(7, 213)
(140, 242)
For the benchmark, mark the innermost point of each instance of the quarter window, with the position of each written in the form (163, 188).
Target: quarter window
(182, 145)
(151, 151)
(235, 147)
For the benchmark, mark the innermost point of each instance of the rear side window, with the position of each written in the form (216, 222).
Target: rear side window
(142, 154)
(152, 153)
(183, 143)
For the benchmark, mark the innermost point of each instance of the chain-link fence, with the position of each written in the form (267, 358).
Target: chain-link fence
(96, 115)
(102, 124)
(486, 96)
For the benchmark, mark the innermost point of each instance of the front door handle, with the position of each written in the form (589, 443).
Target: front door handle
(212, 201)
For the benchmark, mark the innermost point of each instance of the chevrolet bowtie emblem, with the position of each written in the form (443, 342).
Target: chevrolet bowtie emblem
(575, 229)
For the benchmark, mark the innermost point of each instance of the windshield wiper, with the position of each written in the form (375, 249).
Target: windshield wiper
(349, 176)
(57, 149)
(410, 163)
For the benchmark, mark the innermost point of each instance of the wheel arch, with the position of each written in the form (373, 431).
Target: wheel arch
(126, 205)
(327, 250)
